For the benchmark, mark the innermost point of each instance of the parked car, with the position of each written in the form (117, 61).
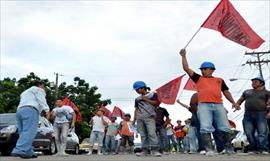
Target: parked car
(8, 133)
(45, 137)
(240, 142)
(84, 146)
(72, 143)
(44, 140)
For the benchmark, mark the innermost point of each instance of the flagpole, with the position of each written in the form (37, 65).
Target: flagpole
(193, 37)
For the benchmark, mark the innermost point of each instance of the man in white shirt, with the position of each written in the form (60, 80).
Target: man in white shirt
(98, 123)
(61, 125)
(32, 103)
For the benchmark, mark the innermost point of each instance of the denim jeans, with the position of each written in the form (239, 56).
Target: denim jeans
(27, 122)
(199, 137)
(147, 129)
(253, 122)
(210, 114)
(162, 135)
(180, 143)
(96, 135)
(110, 144)
(61, 132)
(170, 139)
(192, 139)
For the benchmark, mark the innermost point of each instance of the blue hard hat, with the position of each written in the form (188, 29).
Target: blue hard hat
(207, 65)
(138, 84)
(260, 79)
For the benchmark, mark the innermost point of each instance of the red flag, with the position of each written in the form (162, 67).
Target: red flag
(67, 102)
(167, 93)
(107, 112)
(118, 112)
(190, 85)
(232, 124)
(225, 19)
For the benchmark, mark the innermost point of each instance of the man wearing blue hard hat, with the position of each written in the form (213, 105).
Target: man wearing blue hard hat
(144, 114)
(210, 104)
(255, 116)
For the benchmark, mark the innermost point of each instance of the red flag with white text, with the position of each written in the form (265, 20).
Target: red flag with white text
(107, 112)
(190, 85)
(118, 112)
(226, 19)
(167, 93)
(67, 102)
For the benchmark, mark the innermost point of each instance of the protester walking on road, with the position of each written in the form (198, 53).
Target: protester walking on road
(171, 136)
(161, 129)
(145, 106)
(255, 116)
(32, 103)
(210, 104)
(62, 114)
(127, 136)
(99, 122)
(110, 141)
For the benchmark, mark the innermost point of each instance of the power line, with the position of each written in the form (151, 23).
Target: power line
(259, 62)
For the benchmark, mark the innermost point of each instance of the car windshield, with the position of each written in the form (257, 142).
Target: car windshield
(8, 119)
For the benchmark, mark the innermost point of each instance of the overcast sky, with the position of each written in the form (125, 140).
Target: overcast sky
(111, 44)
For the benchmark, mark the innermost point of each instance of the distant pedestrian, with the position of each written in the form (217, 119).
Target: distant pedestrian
(210, 104)
(161, 124)
(145, 106)
(179, 135)
(195, 123)
(127, 136)
(99, 122)
(32, 103)
(171, 136)
(110, 141)
(62, 115)
(255, 116)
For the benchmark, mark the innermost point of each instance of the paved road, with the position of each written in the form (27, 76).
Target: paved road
(173, 157)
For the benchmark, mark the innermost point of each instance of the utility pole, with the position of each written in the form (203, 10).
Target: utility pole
(56, 85)
(259, 62)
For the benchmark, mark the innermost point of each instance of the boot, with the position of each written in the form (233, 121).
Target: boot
(131, 149)
(90, 150)
(63, 150)
(208, 144)
(227, 142)
(99, 150)
(122, 150)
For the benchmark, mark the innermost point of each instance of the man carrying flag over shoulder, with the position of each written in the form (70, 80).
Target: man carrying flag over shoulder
(210, 104)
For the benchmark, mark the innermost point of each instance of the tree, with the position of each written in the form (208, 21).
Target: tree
(81, 93)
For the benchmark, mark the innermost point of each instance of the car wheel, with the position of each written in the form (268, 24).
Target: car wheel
(76, 150)
(6, 152)
(52, 148)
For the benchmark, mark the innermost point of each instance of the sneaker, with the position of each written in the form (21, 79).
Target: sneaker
(210, 153)
(192, 152)
(251, 152)
(56, 155)
(156, 154)
(143, 153)
(222, 152)
(64, 155)
(202, 152)
(264, 152)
